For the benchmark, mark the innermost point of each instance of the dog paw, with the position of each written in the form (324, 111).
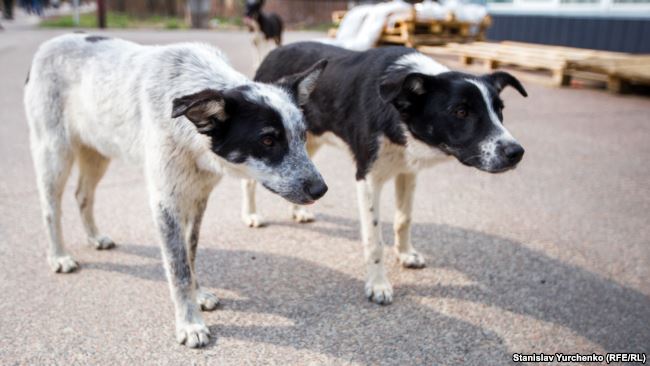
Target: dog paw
(62, 264)
(253, 220)
(302, 216)
(193, 335)
(380, 293)
(411, 259)
(207, 300)
(101, 242)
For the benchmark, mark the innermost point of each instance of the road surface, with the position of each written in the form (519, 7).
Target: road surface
(551, 257)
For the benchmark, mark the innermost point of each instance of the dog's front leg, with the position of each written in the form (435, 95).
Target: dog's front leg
(249, 210)
(378, 288)
(190, 328)
(404, 191)
(206, 299)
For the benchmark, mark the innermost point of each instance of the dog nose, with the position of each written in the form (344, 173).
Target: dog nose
(513, 152)
(315, 189)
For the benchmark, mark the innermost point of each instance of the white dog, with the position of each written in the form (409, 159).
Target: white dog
(187, 117)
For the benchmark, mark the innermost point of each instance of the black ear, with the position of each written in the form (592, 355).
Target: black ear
(408, 85)
(203, 109)
(302, 84)
(501, 79)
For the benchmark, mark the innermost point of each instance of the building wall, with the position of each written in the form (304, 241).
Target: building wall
(305, 12)
(143, 8)
(601, 33)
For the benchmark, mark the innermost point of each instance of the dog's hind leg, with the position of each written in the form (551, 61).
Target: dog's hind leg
(378, 288)
(53, 159)
(92, 167)
(404, 191)
(300, 213)
(249, 210)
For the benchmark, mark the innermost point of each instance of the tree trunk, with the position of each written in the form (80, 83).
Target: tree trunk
(199, 13)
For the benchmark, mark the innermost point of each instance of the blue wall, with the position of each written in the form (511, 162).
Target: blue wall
(612, 34)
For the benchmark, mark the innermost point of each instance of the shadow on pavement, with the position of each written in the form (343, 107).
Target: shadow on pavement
(327, 313)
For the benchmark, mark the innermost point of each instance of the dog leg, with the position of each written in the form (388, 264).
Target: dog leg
(257, 41)
(92, 167)
(249, 210)
(53, 162)
(301, 214)
(206, 299)
(404, 191)
(190, 328)
(378, 288)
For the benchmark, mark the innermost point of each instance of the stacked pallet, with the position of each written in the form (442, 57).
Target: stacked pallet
(564, 63)
(412, 32)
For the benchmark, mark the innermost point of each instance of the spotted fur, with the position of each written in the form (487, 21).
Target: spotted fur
(183, 114)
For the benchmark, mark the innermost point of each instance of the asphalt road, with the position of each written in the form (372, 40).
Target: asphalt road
(551, 257)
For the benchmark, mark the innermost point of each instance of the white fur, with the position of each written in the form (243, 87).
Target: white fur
(489, 147)
(418, 62)
(94, 101)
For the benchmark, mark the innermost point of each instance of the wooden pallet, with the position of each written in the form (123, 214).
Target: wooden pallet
(413, 32)
(564, 63)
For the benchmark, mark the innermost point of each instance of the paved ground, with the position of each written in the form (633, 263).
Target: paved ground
(551, 257)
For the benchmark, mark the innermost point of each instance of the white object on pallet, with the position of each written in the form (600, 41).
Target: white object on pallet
(362, 26)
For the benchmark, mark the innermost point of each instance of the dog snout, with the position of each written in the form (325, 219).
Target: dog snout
(315, 189)
(513, 152)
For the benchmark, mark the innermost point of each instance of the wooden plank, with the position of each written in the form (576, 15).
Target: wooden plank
(615, 68)
(411, 31)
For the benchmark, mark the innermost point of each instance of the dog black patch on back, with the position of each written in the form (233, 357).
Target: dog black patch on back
(93, 39)
(346, 99)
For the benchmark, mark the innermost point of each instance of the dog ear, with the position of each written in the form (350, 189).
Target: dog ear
(302, 84)
(204, 109)
(501, 79)
(408, 85)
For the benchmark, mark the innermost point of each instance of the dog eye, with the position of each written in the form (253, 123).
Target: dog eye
(461, 113)
(267, 141)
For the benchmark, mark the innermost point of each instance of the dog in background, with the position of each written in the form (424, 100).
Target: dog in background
(183, 114)
(266, 28)
(398, 112)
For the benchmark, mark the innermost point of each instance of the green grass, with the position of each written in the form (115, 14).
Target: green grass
(228, 22)
(320, 27)
(115, 20)
(120, 20)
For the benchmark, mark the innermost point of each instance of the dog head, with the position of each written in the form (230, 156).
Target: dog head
(253, 8)
(459, 113)
(259, 128)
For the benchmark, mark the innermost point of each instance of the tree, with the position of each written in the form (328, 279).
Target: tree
(199, 13)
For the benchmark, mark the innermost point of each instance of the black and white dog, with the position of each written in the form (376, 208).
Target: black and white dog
(185, 115)
(397, 111)
(266, 28)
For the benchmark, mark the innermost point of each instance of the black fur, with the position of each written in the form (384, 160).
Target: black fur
(269, 23)
(362, 96)
(346, 100)
(244, 130)
(94, 39)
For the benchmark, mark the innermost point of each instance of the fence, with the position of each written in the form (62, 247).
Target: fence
(293, 12)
